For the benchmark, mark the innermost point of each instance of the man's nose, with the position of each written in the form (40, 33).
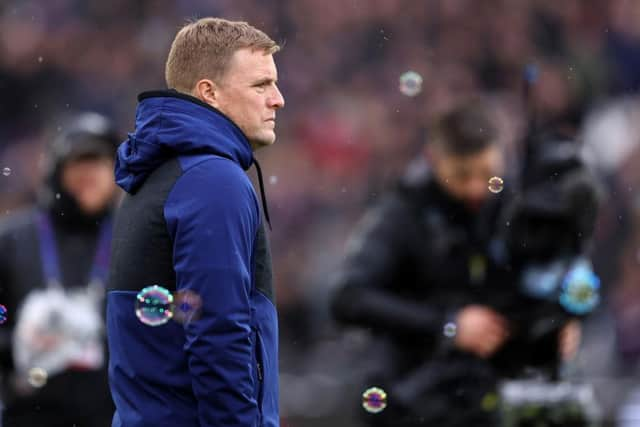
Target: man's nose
(276, 100)
(478, 189)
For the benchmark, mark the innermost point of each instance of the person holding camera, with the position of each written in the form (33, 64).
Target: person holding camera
(428, 273)
(53, 269)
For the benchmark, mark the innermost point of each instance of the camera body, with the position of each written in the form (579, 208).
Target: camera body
(551, 221)
(548, 224)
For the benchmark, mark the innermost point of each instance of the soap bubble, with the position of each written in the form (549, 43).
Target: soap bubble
(273, 179)
(6, 171)
(187, 307)
(374, 400)
(450, 330)
(37, 377)
(154, 305)
(410, 83)
(3, 314)
(496, 184)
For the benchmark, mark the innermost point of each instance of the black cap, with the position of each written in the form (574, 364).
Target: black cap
(89, 134)
(85, 135)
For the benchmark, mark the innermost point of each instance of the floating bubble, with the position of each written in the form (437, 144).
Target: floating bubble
(3, 314)
(496, 184)
(187, 307)
(374, 400)
(37, 377)
(580, 290)
(410, 83)
(154, 305)
(40, 59)
(273, 179)
(450, 329)
(57, 196)
(6, 171)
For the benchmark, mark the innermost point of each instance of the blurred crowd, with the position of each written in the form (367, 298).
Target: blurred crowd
(348, 131)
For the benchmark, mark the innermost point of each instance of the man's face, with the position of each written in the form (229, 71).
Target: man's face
(466, 178)
(90, 181)
(249, 96)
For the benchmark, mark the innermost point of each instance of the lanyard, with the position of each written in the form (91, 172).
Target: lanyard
(49, 253)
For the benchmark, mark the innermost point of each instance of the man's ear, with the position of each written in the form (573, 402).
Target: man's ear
(206, 91)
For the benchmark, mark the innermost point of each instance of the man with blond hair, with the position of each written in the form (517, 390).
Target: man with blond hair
(191, 224)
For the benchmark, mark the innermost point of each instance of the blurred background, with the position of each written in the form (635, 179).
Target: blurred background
(347, 133)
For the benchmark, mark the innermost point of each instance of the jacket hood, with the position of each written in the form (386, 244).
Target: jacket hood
(170, 124)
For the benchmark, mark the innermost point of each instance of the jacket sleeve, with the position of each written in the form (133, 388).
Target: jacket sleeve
(212, 217)
(368, 293)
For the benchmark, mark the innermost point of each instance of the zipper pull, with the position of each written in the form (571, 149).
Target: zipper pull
(259, 369)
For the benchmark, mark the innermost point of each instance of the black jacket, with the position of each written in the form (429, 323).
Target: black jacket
(417, 257)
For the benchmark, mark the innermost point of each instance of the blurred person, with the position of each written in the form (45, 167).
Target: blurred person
(426, 273)
(53, 272)
(191, 221)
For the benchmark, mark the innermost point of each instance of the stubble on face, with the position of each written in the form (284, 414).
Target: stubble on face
(249, 96)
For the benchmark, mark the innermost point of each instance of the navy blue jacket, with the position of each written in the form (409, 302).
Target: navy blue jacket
(191, 221)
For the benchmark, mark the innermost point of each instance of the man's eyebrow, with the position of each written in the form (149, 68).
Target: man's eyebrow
(265, 80)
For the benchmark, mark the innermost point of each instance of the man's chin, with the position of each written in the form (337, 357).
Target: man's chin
(265, 141)
(474, 205)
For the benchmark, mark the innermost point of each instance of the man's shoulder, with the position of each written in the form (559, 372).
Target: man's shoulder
(211, 178)
(212, 166)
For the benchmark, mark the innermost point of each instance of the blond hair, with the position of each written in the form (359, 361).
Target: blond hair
(203, 49)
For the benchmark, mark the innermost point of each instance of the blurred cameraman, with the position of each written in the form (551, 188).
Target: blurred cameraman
(53, 266)
(426, 272)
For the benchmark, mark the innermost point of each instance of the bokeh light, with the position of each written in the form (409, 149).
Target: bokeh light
(187, 306)
(3, 314)
(490, 402)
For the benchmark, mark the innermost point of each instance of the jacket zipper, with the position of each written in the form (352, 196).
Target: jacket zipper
(260, 374)
(259, 369)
